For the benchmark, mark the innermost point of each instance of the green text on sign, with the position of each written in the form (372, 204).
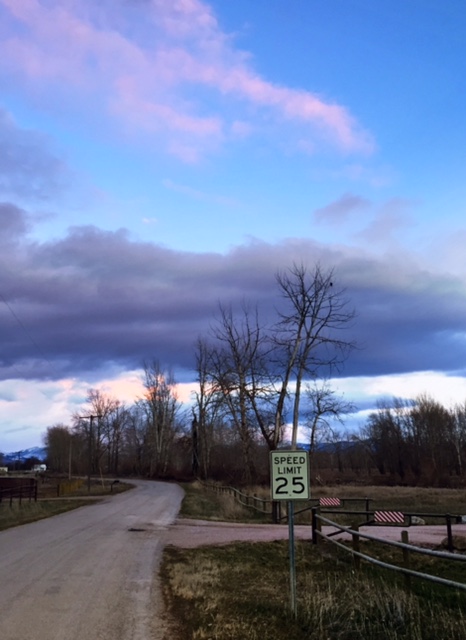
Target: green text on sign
(289, 475)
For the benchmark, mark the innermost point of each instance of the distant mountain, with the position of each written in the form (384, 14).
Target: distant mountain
(33, 452)
(328, 447)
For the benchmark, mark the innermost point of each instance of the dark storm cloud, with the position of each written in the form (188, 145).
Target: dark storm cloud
(28, 166)
(95, 299)
(14, 223)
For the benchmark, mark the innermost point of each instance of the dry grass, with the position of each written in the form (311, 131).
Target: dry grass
(414, 498)
(241, 591)
(32, 511)
(206, 504)
(49, 504)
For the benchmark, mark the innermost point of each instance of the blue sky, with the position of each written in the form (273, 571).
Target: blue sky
(154, 155)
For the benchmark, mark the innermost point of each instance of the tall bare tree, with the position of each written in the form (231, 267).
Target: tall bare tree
(309, 337)
(161, 407)
(207, 411)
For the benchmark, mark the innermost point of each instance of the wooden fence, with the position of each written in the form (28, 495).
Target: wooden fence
(368, 515)
(67, 487)
(407, 549)
(247, 500)
(17, 489)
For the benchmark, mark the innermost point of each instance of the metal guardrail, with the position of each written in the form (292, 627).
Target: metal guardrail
(407, 548)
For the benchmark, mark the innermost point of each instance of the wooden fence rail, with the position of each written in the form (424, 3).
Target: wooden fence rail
(356, 535)
(19, 492)
(247, 500)
(375, 517)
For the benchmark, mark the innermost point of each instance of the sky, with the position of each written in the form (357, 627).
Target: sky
(157, 158)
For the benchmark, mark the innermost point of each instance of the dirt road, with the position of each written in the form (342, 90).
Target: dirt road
(88, 574)
(195, 533)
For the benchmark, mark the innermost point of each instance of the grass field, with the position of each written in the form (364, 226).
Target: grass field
(241, 591)
(200, 503)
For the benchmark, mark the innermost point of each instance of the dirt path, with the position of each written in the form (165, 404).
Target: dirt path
(89, 573)
(187, 533)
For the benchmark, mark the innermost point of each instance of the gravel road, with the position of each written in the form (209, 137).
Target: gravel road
(88, 574)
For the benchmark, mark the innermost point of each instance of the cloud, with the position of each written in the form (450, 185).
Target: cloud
(196, 194)
(150, 77)
(340, 210)
(28, 166)
(93, 299)
(14, 222)
(391, 217)
(7, 396)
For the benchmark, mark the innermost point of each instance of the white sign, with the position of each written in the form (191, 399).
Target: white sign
(289, 475)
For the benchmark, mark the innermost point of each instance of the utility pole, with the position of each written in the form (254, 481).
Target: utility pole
(69, 457)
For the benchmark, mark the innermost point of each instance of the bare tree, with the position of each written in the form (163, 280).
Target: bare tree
(308, 337)
(161, 407)
(57, 441)
(207, 412)
(325, 408)
(102, 407)
(458, 436)
(248, 372)
(239, 375)
(134, 439)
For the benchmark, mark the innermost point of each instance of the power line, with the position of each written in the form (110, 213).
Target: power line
(23, 327)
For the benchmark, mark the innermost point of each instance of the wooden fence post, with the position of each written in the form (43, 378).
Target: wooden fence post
(276, 511)
(406, 559)
(451, 547)
(315, 525)
(355, 537)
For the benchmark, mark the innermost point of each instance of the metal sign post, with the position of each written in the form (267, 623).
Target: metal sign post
(294, 608)
(289, 480)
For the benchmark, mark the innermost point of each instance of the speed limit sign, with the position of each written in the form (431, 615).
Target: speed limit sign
(289, 475)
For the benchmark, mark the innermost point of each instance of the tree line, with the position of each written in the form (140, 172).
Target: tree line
(417, 440)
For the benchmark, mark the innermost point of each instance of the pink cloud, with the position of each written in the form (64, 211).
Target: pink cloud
(156, 83)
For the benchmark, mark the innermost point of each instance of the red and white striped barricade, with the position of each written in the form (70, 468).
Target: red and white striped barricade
(389, 517)
(329, 502)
